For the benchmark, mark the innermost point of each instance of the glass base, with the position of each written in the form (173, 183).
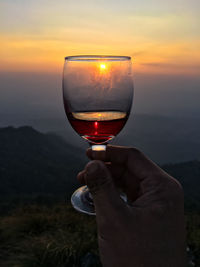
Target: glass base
(82, 201)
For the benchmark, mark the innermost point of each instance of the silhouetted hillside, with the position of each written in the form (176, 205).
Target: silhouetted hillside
(33, 162)
(188, 173)
(164, 139)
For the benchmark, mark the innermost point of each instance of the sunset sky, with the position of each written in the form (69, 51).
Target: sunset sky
(161, 36)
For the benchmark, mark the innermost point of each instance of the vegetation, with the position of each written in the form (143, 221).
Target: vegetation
(193, 235)
(37, 228)
(42, 236)
(35, 235)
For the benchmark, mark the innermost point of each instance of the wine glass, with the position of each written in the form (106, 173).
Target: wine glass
(97, 94)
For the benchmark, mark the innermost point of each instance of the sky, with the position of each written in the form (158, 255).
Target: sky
(161, 36)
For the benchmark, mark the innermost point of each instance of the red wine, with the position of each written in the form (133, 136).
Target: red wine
(98, 127)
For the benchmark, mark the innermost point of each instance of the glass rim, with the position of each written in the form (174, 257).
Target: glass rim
(97, 57)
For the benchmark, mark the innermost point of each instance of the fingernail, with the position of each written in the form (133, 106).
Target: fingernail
(79, 174)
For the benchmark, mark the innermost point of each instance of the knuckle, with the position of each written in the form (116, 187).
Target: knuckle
(92, 163)
(81, 173)
(176, 185)
(133, 151)
(175, 191)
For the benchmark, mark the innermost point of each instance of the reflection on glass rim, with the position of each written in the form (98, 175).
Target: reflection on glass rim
(97, 58)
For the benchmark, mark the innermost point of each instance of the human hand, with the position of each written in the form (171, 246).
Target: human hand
(149, 231)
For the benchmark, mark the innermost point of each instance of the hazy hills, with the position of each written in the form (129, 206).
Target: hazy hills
(188, 173)
(164, 139)
(33, 162)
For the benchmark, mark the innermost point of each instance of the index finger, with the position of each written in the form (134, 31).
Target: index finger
(130, 157)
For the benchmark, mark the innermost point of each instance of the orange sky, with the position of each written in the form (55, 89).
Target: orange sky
(37, 35)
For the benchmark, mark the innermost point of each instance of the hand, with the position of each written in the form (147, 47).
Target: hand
(147, 232)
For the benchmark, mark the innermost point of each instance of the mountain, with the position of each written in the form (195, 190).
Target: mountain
(188, 173)
(31, 162)
(164, 139)
(34, 162)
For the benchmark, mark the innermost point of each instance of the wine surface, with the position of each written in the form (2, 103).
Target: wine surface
(98, 127)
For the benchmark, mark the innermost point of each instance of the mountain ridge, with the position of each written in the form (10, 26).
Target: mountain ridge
(34, 162)
(31, 161)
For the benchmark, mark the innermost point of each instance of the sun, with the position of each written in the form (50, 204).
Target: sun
(102, 66)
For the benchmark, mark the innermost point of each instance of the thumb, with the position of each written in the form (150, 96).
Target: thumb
(106, 197)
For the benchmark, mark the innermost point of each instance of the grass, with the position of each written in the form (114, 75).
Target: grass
(193, 235)
(58, 236)
(39, 236)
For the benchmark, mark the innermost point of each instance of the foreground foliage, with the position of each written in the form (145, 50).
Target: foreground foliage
(193, 235)
(38, 236)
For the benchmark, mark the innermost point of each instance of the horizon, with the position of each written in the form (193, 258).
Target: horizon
(162, 38)
(37, 95)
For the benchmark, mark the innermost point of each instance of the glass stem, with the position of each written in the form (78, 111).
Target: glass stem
(87, 196)
(98, 147)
